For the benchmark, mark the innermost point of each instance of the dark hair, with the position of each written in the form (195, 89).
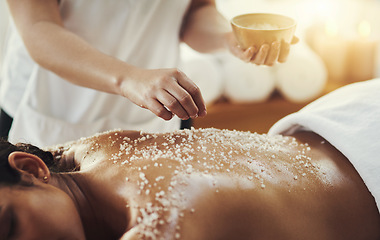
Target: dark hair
(10, 176)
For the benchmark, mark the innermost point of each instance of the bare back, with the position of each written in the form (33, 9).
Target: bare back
(220, 184)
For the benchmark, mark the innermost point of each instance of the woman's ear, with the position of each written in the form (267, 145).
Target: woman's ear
(29, 163)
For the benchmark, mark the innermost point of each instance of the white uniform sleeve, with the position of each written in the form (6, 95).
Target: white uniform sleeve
(348, 118)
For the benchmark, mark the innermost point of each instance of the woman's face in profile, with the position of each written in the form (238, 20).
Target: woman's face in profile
(40, 211)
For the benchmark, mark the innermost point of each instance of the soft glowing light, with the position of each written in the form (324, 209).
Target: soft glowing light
(331, 28)
(364, 28)
(323, 9)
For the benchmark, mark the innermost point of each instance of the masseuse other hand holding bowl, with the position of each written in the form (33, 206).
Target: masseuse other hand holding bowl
(70, 61)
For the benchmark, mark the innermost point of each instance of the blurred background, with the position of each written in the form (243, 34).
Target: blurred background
(338, 45)
(3, 25)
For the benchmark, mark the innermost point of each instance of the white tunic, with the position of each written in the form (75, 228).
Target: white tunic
(144, 33)
(348, 118)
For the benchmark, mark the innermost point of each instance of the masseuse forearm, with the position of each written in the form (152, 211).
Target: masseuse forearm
(70, 57)
(205, 28)
(61, 51)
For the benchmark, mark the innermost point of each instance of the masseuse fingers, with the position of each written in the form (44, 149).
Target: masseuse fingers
(284, 51)
(172, 104)
(295, 40)
(273, 54)
(261, 55)
(248, 54)
(190, 96)
(184, 99)
(158, 109)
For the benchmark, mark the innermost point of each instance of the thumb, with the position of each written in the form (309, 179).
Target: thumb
(295, 40)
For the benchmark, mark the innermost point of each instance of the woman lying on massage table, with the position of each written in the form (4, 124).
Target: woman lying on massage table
(190, 184)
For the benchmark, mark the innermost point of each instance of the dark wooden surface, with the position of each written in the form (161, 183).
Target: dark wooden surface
(254, 117)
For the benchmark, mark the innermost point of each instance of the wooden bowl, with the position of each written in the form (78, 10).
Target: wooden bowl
(255, 29)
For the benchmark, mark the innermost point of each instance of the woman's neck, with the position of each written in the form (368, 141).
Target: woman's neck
(99, 210)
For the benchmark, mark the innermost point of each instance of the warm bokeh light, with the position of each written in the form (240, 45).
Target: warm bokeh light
(364, 28)
(331, 28)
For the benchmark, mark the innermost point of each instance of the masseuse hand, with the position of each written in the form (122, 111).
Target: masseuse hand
(165, 92)
(267, 54)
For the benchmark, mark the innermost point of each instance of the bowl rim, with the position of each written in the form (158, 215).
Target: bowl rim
(268, 14)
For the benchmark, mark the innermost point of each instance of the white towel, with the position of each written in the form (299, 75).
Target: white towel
(303, 76)
(246, 82)
(348, 118)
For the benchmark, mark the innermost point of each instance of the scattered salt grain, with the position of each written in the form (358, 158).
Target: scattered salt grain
(159, 178)
(193, 152)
